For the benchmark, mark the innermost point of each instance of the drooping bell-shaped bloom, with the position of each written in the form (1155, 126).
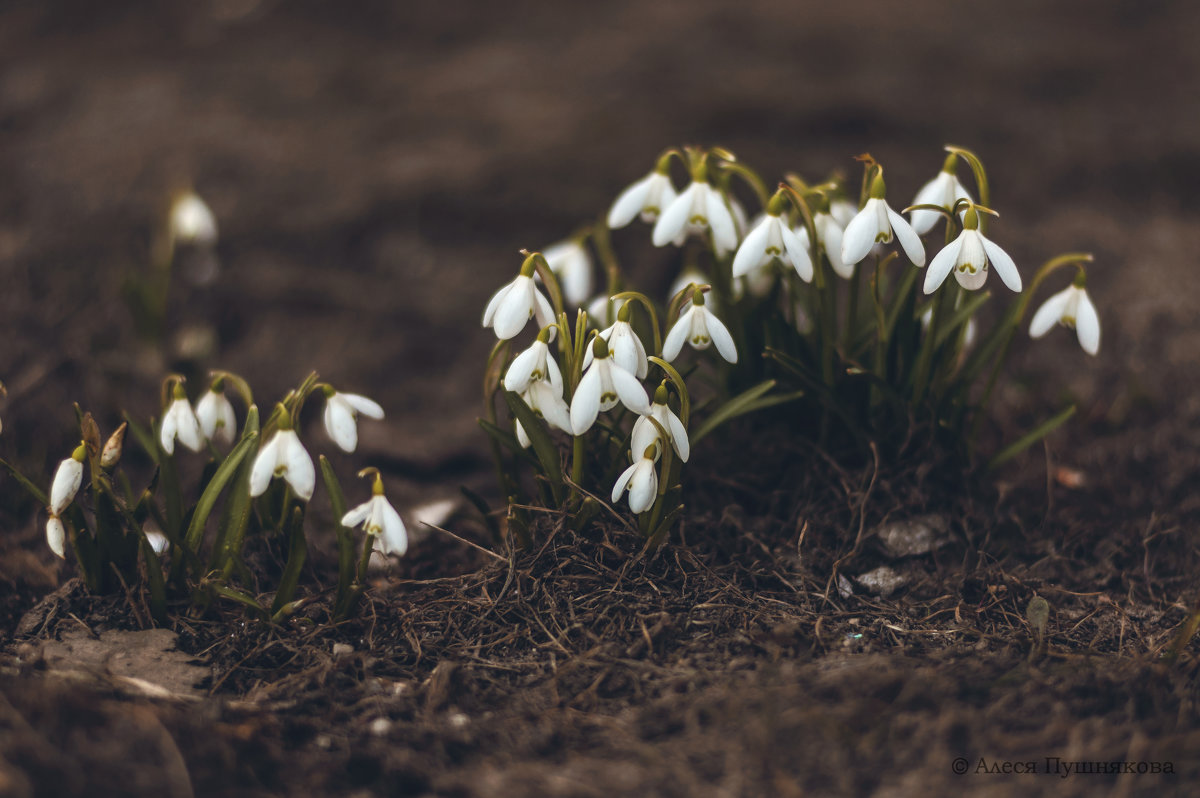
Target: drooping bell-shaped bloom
(533, 364)
(877, 222)
(1070, 307)
(641, 480)
(945, 191)
(572, 264)
(968, 257)
(341, 416)
(215, 414)
(700, 328)
(380, 520)
(604, 385)
(700, 207)
(829, 239)
(67, 480)
(284, 456)
(647, 198)
(772, 238)
(179, 422)
(514, 304)
(646, 433)
(192, 221)
(627, 349)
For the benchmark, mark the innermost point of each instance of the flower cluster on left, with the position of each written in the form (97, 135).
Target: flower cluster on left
(211, 490)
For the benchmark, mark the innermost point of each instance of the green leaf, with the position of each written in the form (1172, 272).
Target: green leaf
(539, 435)
(208, 499)
(1031, 437)
(145, 439)
(345, 540)
(245, 599)
(746, 402)
(508, 440)
(235, 516)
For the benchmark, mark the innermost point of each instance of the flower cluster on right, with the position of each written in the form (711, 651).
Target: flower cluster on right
(806, 302)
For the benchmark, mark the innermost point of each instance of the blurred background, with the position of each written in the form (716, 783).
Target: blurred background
(375, 166)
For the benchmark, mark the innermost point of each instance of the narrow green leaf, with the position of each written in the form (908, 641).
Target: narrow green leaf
(297, 554)
(345, 540)
(746, 402)
(208, 499)
(508, 440)
(154, 577)
(245, 599)
(1031, 437)
(145, 439)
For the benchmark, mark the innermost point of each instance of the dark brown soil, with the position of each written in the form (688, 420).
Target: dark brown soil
(375, 173)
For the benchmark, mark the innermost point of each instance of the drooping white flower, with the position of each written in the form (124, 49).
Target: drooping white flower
(341, 411)
(700, 207)
(192, 221)
(545, 398)
(647, 197)
(968, 257)
(829, 238)
(842, 210)
(215, 414)
(626, 348)
(67, 480)
(157, 540)
(641, 480)
(1070, 307)
(877, 222)
(533, 364)
(380, 520)
(700, 328)
(646, 434)
(604, 384)
(572, 264)
(945, 191)
(514, 304)
(284, 456)
(772, 238)
(56, 536)
(179, 422)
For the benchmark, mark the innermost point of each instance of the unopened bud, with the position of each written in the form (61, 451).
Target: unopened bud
(110, 455)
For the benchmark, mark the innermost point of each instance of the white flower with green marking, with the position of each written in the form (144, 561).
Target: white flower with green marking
(604, 385)
(641, 480)
(945, 191)
(284, 456)
(772, 238)
(215, 414)
(877, 223)
(647, 198)
(968, 257)
(516, 303)
(627, 349)
(341, 416)
(700, 207)
(1070, 307)
(646, 433)
(180, 422)
(700, 328)
(571, 263)
(380, 520)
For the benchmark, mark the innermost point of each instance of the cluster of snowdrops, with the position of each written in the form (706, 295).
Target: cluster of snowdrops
(806, 304)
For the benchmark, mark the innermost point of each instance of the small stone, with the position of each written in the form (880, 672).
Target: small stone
(342, 649)
(380, 727)
(882, 581)
(913, 536)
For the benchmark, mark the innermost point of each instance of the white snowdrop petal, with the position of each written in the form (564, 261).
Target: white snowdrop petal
(752, 251)
(489, 313)
(629, 390)
(721, 338)
(264, 466)
(1004, 265)
(339, 423)
(168, 429)
(585, 405)
(368, 407)
(555, 376)
(189, 433)
(301, 474)
(357, 515)
(720, 221)
(67, 480)
(622, 481)
(910, 242)
(56, 536)
(643, 486)
(941, 265)
(1087, 324)
(831, 239)
(798, 254)
(513, 311)
(394, 539)
(859, 235)
(551, 406)
(678, 335)
(207, 413)
(644, 434)
(520, 371)
(673, 218)
(629, 203)
(543, 312)
(932, 193)
(679, 437)
(522, 436)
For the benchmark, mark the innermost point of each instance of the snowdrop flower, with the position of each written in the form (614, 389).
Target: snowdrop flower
(646, 434)
(533, 364)
(878, 222)
(180, 422)
(773, 238)
(627, 349)
(545, 399)
(829, 239)
(380, 520)
(67, 480)
(515, 303)
(215, 414)
(341, 411)
(573, 266)
(700, 328)
(842, 210)
(56, 536)
(604, 384)
(968, 256)
(945, 191)
(157, 540)
(284, 456)
(191, 221)
(647, 197)
(641, 480)
(699, 207)
(1070, 307)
